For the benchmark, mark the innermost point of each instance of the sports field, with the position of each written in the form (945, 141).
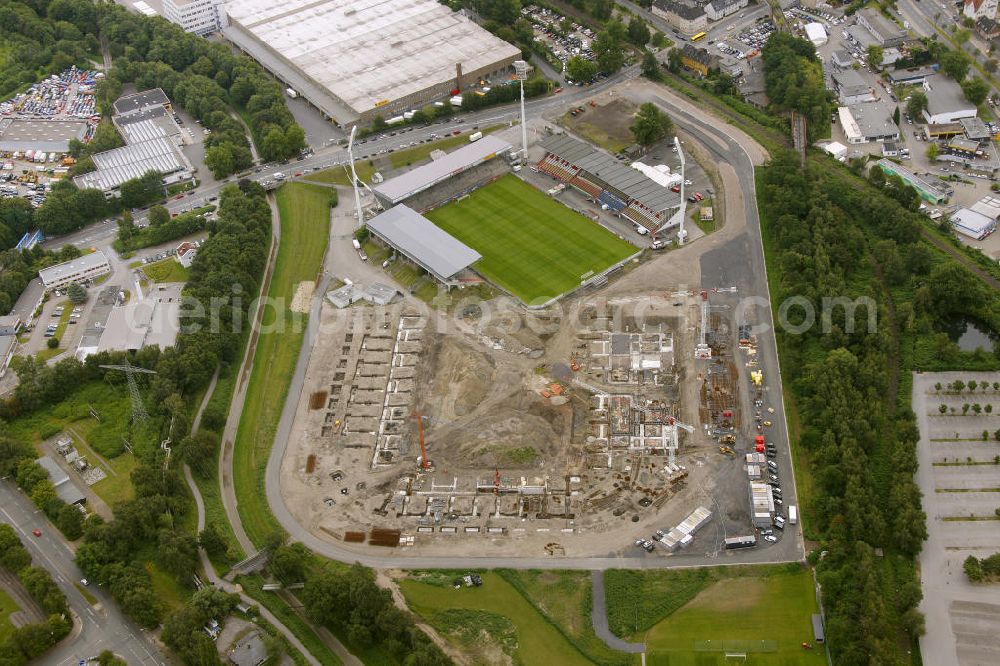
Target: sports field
(532, 246)
(776, 609)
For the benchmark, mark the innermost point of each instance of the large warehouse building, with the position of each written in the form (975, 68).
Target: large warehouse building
(355, 59)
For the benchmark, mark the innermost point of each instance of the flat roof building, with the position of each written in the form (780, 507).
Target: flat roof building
(946, 102)
(19, 134)
(141, 100)
(910, 76)
(154, 320)
(87, 267)
(864, 123)
(402, 187)
(119, 165)
(973, 224)
(355, 59)
(885, 32)
(422, 242)
(975, 129)
(147, 124)
(932, 190)
(816, 33)
(66, 488)
(852, 88)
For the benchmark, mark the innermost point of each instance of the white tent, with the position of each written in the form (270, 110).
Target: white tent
(816, 33)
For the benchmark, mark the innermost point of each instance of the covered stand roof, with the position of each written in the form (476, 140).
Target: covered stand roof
(422, 241)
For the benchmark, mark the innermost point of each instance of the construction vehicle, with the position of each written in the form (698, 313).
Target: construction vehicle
(573, 365)
(757, 376)
(725, 450)
(423, 461)
(68, 161)
(727, 439)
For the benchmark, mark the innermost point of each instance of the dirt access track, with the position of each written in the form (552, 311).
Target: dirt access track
(496, 421)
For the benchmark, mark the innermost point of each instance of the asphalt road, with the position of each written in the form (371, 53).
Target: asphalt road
(741, 265)
(99, 628)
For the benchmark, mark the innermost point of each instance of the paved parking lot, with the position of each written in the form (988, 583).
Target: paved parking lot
(960, 480)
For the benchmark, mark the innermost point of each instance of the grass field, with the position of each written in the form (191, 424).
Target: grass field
(341, 175)
(422, 151)
(777, 607)
(167, 270)
(7, 607)
(305, 229)
(497, 609)
(537, 249)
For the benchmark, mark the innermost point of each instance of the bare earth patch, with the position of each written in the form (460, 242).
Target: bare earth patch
(303, 296)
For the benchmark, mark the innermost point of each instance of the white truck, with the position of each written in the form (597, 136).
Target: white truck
(793, 514)
(361, 253)
(475, 136)
(291, 93)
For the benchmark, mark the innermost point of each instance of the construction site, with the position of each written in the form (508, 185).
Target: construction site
(528, 430)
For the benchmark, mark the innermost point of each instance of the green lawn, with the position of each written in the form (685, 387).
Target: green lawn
(7, 607)
(305, 229)
(774, 608)
(498, 609)
(537, 249)
(422, 151)
(167, 270)
(341, 174)
(117, 487)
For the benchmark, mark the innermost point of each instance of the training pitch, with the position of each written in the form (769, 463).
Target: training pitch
(532, 246)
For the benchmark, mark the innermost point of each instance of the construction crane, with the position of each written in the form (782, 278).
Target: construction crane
(702, 350)
(674, 424)
(423, 462)
(139, 413)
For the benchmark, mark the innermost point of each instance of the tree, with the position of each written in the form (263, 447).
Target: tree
(601, 9)
(675, 60)
(975, 90)
(937, 387)
(177, 553)
(69, 520)
(965, 408)
(962, 35)
(609, 52)
(875, 55)
(76, 293)
(158, 216)
(933, 150)
(581, 69)
(650, 66)
(52, 343)
(638, 32)
(955, 64)
(988, 409)
(650, 125)
(917, 104)
(895, 116)
(212, 541)
(958, 385)
(990, 65)
(288, 563)
(973, 569)
(977, 408)
(108, 658)
(973, 384)
(943, 408)
(221, 160)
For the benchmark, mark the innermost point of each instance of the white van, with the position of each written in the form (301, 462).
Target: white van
(793, 514)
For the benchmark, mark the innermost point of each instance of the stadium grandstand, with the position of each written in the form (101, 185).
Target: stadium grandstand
(448, 177)
(424, 243)
(626, 191)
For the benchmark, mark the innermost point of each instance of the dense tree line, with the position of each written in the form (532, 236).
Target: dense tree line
(34, 481)
(985, 569)
(43, 38)
(349, 600)
(835, 237)
(31, 640)
(794, 79)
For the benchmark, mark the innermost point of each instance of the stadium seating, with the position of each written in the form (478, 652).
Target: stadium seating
(611, 201)
(639, 216)
(553, 167)
(585, 185)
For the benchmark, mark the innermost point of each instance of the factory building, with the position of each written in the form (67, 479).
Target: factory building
(87, 267)
(358, 59)
(946, 102)
(885, 32)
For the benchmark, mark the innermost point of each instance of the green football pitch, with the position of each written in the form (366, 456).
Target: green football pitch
(532, 246)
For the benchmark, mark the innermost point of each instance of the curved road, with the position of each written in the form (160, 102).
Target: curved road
(727, 146)
(599, 618)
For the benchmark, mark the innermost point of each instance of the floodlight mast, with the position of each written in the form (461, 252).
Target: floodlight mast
(521, 72)
(680, 153)
(354, 176)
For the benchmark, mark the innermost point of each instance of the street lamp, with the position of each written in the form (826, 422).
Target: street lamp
(354, 175)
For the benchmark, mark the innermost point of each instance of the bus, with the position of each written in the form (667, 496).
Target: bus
(700, 35)
(741, 542)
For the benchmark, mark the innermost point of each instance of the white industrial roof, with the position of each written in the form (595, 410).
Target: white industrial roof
(816, 33)
(972, 223)
(369, 52)
(118, 165)
(988, 206)
(84, 263)
(836, 149)
(422, 241)
(155, 320)
(419, 179)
